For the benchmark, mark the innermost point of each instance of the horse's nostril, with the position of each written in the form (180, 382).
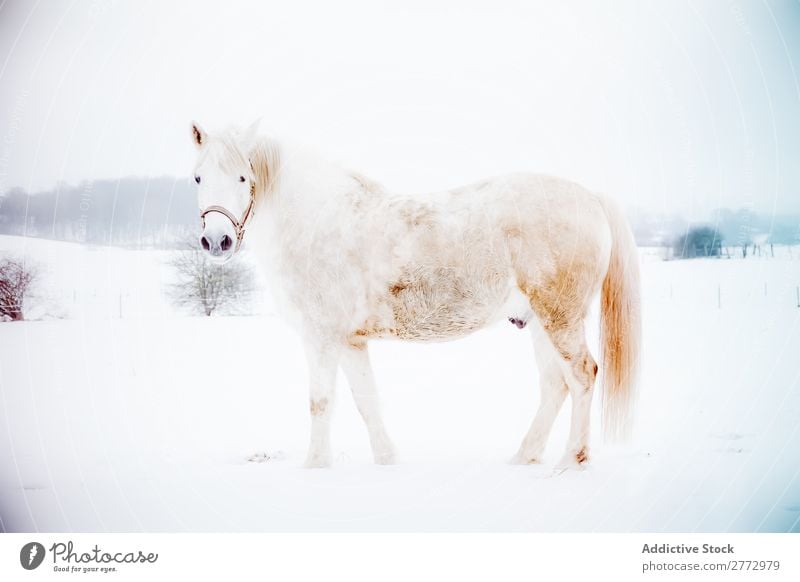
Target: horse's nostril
(226, 243)
(204, 243)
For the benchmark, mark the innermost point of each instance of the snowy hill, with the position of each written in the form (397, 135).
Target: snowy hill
(127, 416)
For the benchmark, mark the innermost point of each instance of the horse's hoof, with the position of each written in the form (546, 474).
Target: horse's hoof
(572, 461)
(317, 461)
(385, 458)
(521, 459)
(383, 451)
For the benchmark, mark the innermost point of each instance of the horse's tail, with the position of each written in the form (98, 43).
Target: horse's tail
(620, 327)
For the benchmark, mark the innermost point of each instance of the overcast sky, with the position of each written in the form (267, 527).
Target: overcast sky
(674, 106)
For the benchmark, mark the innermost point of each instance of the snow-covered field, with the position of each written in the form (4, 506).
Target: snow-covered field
(123, 415)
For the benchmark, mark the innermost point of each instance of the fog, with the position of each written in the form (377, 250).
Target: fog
(673, 107)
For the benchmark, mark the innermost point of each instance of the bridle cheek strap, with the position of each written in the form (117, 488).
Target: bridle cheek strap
(238, 224)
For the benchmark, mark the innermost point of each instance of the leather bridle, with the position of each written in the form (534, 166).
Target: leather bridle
(238, 224)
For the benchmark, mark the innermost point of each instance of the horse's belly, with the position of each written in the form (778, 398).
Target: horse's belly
(444, 308)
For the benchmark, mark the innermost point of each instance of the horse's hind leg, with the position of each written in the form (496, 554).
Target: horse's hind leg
(580, 371)
(356, 366)
(553, 390)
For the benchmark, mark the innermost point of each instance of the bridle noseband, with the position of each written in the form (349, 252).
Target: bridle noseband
(238, 225)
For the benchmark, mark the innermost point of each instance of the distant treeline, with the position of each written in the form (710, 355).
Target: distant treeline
(733, 228)
(125, 212)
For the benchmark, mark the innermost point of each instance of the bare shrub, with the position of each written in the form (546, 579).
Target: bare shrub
(205, 287)
(16, 282)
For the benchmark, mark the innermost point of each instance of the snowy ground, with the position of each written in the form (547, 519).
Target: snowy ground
(126, 416)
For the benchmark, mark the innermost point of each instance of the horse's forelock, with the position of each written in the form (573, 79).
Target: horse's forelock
(224, 151)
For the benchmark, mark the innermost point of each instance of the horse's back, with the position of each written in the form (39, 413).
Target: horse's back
(544, 224)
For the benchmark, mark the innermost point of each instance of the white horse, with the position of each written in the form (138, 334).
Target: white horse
(351, 262)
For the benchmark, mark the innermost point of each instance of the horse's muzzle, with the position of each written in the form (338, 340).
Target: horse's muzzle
(219, 246)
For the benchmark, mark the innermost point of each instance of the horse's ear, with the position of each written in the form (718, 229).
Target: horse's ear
(249, 136)
(198, 135)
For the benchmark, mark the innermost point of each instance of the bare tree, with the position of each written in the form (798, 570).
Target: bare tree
(205, 287)
(16, 281)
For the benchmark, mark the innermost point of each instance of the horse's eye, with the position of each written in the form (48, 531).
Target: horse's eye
(197, 179)
(241, 178)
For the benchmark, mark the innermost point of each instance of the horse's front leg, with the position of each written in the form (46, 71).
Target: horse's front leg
(322, 366)
(357, 369)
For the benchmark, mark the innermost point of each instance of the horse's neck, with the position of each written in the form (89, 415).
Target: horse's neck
(295, 187)
(307, 182)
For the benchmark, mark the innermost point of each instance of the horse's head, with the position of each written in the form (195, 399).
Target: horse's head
(226, 188)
